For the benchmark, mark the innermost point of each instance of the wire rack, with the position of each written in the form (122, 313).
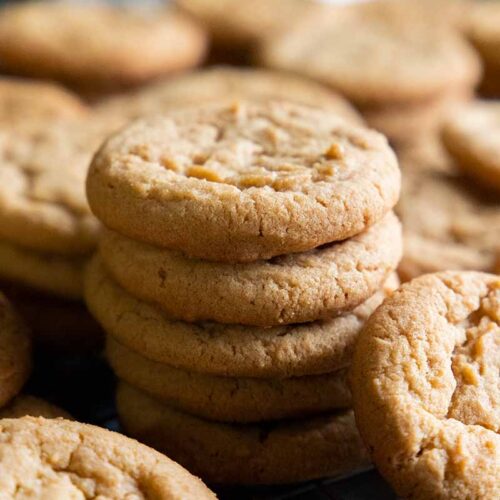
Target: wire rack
(84, 386)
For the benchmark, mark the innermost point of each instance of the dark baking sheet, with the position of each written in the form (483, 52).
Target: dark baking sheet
(84, 386)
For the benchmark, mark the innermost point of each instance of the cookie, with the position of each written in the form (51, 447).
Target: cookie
(398, 55)
(249, 23)
(482, 29)
(15, 352)
(42, 196)
(226, 82)
(24, 405)
(227, 399)
(57, 458)
(425, 387)
(267, 453)
(447, 224)
(97, 46)
(25, 101)
(243, 181)
(225, 350)
(472, 137)
(38, 270)
(287, 289)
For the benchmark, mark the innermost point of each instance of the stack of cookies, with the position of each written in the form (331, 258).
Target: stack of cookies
(247, 243)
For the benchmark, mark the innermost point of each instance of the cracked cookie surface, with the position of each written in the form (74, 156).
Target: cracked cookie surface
(293, 288)
(426, 392)
(267, 453)
(230, 399)
(226, 350)
(15, 352)
(243, 181)
(57, 458)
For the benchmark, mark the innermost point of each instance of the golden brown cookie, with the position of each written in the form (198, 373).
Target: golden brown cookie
(42, 195)
(447, 224)
(57, 458)
(278, 452)
(15, 352)
(229, 399)
(287, 289)
(24, 405)
(25, 101)
(225, 350)
(472, 137)
(425, 381)
(98, 45)
(226, 82)
(243, 181)
(399, 54)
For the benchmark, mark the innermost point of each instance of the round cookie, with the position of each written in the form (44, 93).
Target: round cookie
(15, 352)
(97, 46)
(23, 102)
(56, 458)
(226, 82)
(293, 288)
(267, 453)
(225, 350)
(227, 399)
(38, 270)
(42, 177)
(24, 405)
(425, 387)
(447, 224)
(472, 137)
(243, 181)
(398, 55)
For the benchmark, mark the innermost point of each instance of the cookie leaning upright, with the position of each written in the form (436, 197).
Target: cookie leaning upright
(52, 458)
(97, 47)
(425, 387)
(243, 181)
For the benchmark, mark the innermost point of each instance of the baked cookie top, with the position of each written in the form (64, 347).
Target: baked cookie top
(243, 181)
(292, 288)
(447, 224)
(226, 82)
(42, 179)
(59, 458)
(226, 350)
(24, 405)
(472, 137)
(23, 102)
(483, 25)
(397, 55)
(425, 381)
(15, 352)
(96, 45)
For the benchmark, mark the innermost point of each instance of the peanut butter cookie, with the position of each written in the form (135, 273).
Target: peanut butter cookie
(425, 381)
(57, 458)
(277, 452)
(243, 181)
(225, 350)
(94, 45)
(287, 289)
(229, 399)
(472, 137)
(23, 405)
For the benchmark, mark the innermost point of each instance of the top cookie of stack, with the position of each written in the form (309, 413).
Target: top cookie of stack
(240, 182)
